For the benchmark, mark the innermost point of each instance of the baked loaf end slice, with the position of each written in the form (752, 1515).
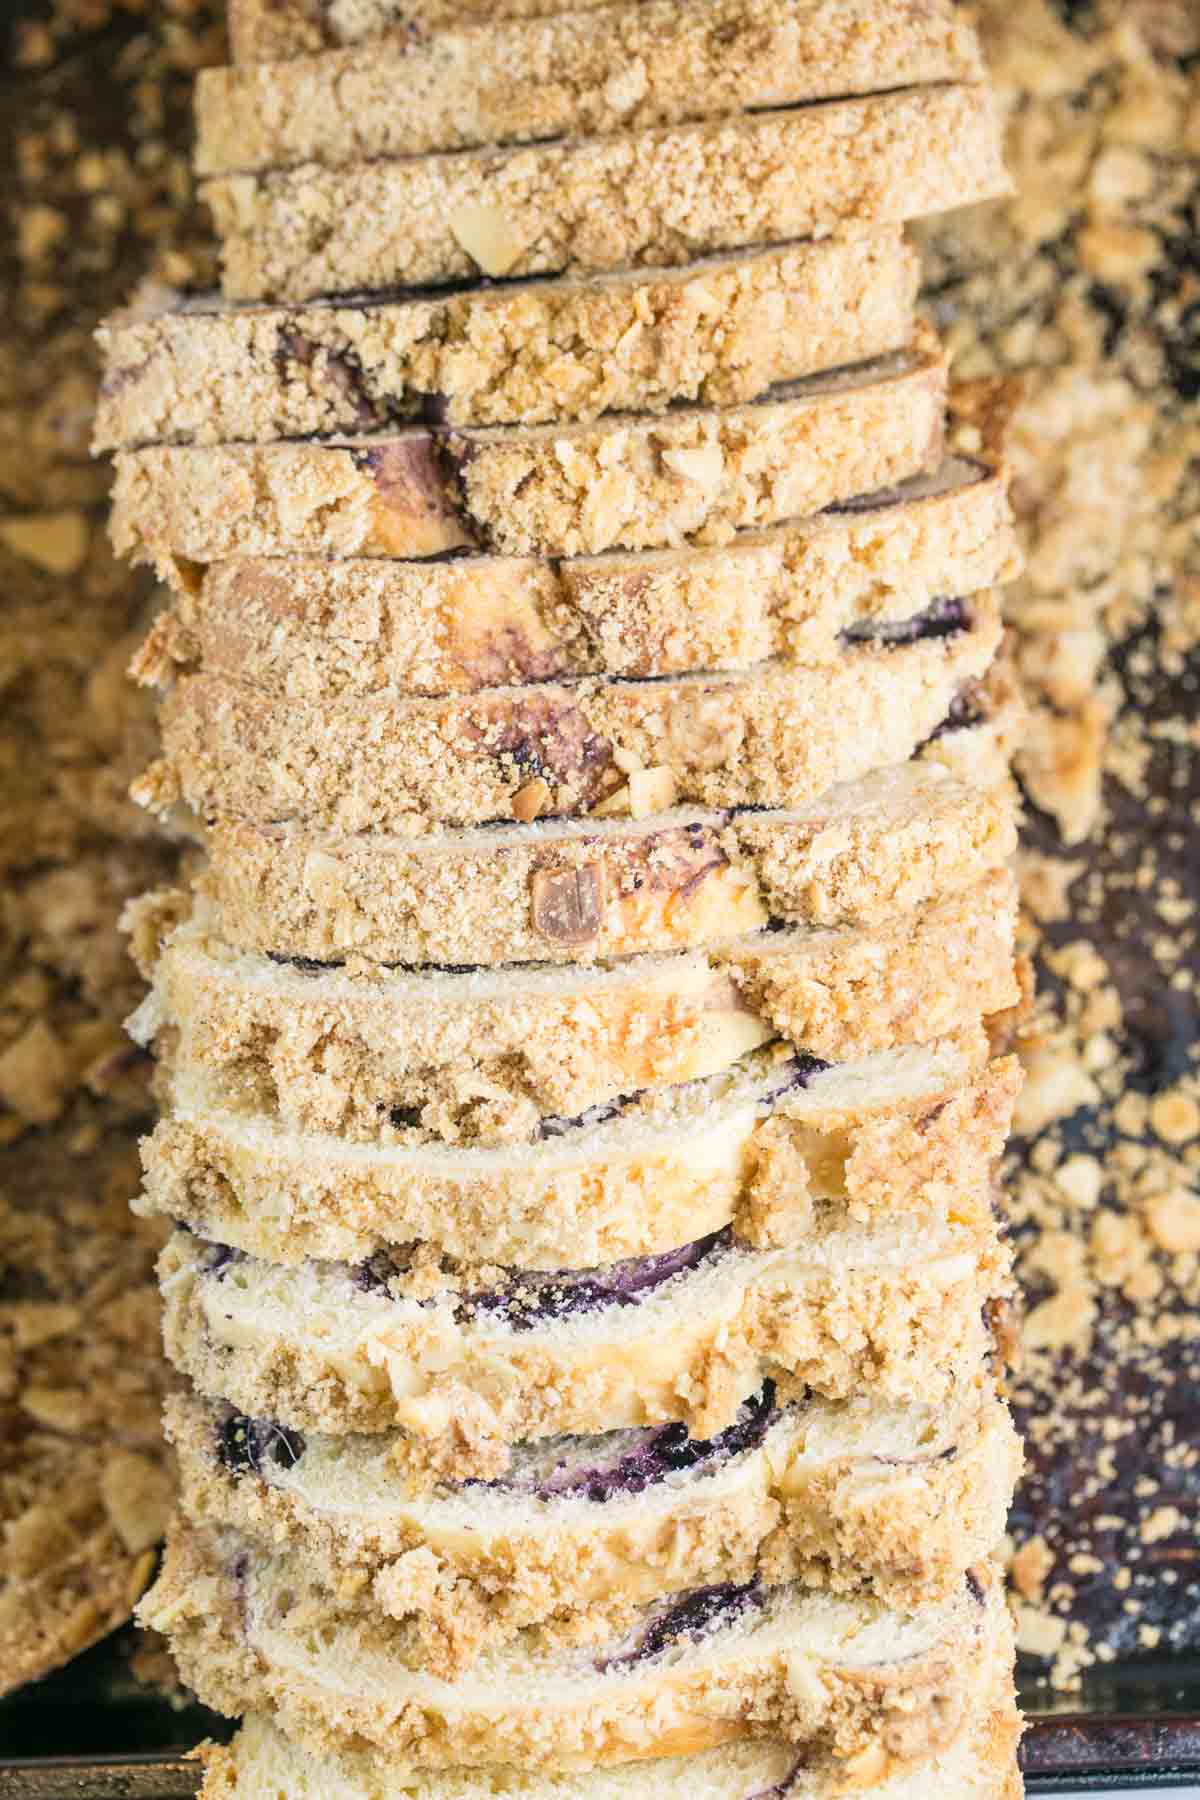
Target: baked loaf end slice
(881, 567)
(696, 1672)
(657, 197)
(471, 1360)
(486, 1056)
(573, 490)
(914, 1131)
(781, 735)
(573, 75)
(580, 891)
(899, 1500)
(720, 331)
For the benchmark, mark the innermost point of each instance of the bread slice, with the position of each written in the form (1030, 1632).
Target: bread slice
(504, 81)
(274, 30)
(661, 196)
(494, 1356)
(718, 332)
(566, 490)
(313, 628)
(484, 1056)
(844, 1496)
(825, 1674)
(779, 735)
(586, 890)
(979, 1765)
(913, 1131)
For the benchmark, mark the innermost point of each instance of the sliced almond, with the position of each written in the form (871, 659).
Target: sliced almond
(568, 904)
(703, 465)
(487, 237)
(532, 800)
(651, 791)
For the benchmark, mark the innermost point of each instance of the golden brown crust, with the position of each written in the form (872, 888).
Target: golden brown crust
(902, 1508)
(919, 1144)
(830, 1675)
(850, 1308)
(483, 1056)
(573, 75)
(578, 893)
(778, 736)
(661, 196)
(694, 474)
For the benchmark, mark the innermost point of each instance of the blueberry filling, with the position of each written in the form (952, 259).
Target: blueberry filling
(310, 965)
(245, 1445)
(965, 709)
(954, 474)
(945, 618)
(532, 1299)
(307, 965)
(797, 1072)
(555, 1125)
(376, 1274)
(644, 1457)
(217, 1258)
(863, 503)
(691, 1617)
(343, 374)
(404, 1118)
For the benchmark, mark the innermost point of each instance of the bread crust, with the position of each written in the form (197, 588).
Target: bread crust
(840, 1517)
(718, 332)
(483, 1057)
(572, 75)
(696, 474)
(779, 736)
(830, 1694)
(631, 198)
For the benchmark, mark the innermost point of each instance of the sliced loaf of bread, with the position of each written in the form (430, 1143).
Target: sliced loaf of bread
(720, 331)
(979, 1765)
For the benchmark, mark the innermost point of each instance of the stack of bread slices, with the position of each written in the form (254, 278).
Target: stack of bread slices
(581, 1052)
